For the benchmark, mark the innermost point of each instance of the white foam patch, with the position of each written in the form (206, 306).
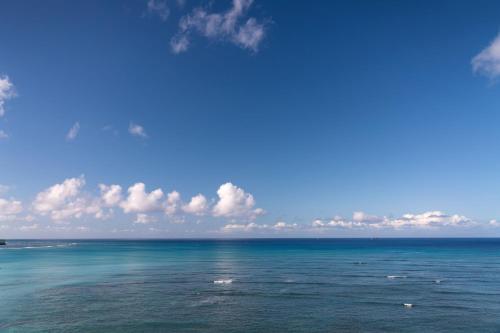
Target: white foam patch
(392, 277)
(223, 281)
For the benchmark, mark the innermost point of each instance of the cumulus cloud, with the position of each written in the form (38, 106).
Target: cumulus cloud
(160, 8)
(234, 202)
(9, 209)
(139, 201)
(6, 92)
(73, 132)
(111, 195)
(230, 26)
(66, 201)
(487, 62)
(137, 130)
(58, 195)
(425, 220)
(3, 135)
(173, 202)
(197, 206)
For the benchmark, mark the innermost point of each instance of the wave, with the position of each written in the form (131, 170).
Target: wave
(223, 281)
(392, 277)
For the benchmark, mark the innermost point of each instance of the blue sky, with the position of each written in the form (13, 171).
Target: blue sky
(347, 118)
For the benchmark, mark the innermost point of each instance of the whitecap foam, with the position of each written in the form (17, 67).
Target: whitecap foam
(223, 281)
(392, 277)
(408, 305)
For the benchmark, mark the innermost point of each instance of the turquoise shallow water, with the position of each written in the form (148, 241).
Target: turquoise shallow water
(335, 285)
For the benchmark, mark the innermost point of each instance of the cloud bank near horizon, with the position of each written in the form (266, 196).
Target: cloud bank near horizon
(66, 205)
(69, 201)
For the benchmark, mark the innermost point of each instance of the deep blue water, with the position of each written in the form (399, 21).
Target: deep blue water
(288, 285)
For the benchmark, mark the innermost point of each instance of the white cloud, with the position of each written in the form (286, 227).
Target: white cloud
(9, 209)
(137, 130)
(159, 8)
(3, 135)
(337, 222)
(173, 202)
(142, 218)
(494, 223)
(429, 219)
(227, 26)
(234, 227)
(197, 206)
(252, 227)
(111, 195)
(66, 201)
(234, 202)
(58, 195)
(73, 131)
(6, 92)
(280, 225)
(487, 62)
(138, 201)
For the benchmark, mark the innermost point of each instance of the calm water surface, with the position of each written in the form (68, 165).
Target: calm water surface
(294, 285)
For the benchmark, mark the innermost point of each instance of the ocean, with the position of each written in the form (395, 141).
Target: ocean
(266, 285)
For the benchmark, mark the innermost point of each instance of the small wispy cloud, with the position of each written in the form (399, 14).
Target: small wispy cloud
(229, 26)
(181, 3)
(4, 189)
(137, 130)
(487, 62)
(179, 44)
(73, 132)
(111, 129)
(6, 92)
(3, 135)
(142, 218)
(159, 8)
